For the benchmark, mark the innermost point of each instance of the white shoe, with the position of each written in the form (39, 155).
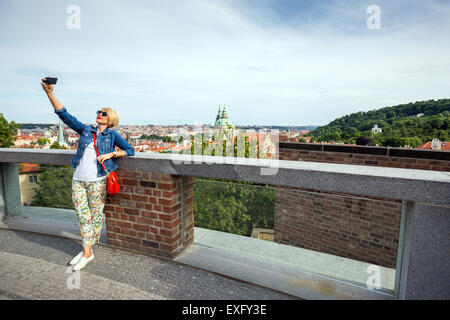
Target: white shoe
(83, 262)
(77, 258)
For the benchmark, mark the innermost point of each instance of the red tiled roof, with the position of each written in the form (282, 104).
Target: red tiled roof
(445, 146)
(29, 167)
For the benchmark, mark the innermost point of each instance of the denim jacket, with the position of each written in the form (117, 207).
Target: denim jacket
(105, 141)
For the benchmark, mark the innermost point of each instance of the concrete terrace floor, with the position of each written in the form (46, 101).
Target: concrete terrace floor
(35, 266)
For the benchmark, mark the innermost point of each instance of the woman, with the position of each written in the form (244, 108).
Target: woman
(89, 182)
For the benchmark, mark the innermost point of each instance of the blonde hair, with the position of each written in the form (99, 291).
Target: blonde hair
(113, 118)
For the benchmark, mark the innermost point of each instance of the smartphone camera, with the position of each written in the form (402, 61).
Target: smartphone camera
(49, 80)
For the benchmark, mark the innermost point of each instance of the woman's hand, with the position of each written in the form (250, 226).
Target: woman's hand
(48, 88)
(104, 157)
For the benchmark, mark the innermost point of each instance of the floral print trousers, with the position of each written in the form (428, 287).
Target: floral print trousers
(89, 200)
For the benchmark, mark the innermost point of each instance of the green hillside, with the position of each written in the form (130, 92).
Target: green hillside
(400, 124)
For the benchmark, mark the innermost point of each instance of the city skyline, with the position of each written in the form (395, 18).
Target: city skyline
(271, 62)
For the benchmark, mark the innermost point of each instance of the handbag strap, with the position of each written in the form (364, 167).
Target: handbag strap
(107, 173)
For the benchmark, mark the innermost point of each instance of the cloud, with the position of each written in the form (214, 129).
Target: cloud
(271, 62)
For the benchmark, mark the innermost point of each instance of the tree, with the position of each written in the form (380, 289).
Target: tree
(405, 124)
(43, 141)
(228, 206)
(156, 137)
(54, 188)
(216, 207)
(232, 206)
(8, 132)
(56, 145)
(363, 141)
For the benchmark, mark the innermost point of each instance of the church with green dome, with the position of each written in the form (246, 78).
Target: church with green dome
(222, 120)
(223, 126)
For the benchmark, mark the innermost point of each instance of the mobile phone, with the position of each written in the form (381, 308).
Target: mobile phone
(49, 80)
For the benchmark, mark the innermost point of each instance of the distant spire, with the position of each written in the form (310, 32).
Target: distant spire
(224, 113)
(218, 114)
(60, 135)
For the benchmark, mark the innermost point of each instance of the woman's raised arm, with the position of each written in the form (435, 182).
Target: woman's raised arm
(48, 88)
(61, 111)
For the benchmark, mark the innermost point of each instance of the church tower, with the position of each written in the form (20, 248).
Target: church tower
(61, 141)
(222, 120)
(218, 114)
(223, 126)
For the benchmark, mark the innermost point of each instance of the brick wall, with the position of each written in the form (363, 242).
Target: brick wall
(351, 226)
(370, 156)
(364, 229)
(147, 215)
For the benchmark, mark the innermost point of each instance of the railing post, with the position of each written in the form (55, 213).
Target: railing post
(2, 194)
(424, 269)
(10, 199)
(401, 242)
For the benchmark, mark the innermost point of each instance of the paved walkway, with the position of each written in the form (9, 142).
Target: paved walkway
(35, 266)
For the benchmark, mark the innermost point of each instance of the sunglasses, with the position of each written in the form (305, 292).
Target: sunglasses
(103, 113)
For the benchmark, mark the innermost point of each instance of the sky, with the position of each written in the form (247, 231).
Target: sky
(270, 62)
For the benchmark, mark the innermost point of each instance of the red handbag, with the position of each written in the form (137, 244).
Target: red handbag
(113, 182)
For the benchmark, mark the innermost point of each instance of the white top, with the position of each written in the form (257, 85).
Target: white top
(87, 168)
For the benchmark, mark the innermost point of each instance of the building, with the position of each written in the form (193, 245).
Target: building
(222, 120)
(29, 175)
(223, 125)
(61, 140)
(262, 234)
(436, 144)
(26, 140)
(375, 129)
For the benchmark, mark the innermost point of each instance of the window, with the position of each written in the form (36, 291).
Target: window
(30, 179)
(35, 178)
